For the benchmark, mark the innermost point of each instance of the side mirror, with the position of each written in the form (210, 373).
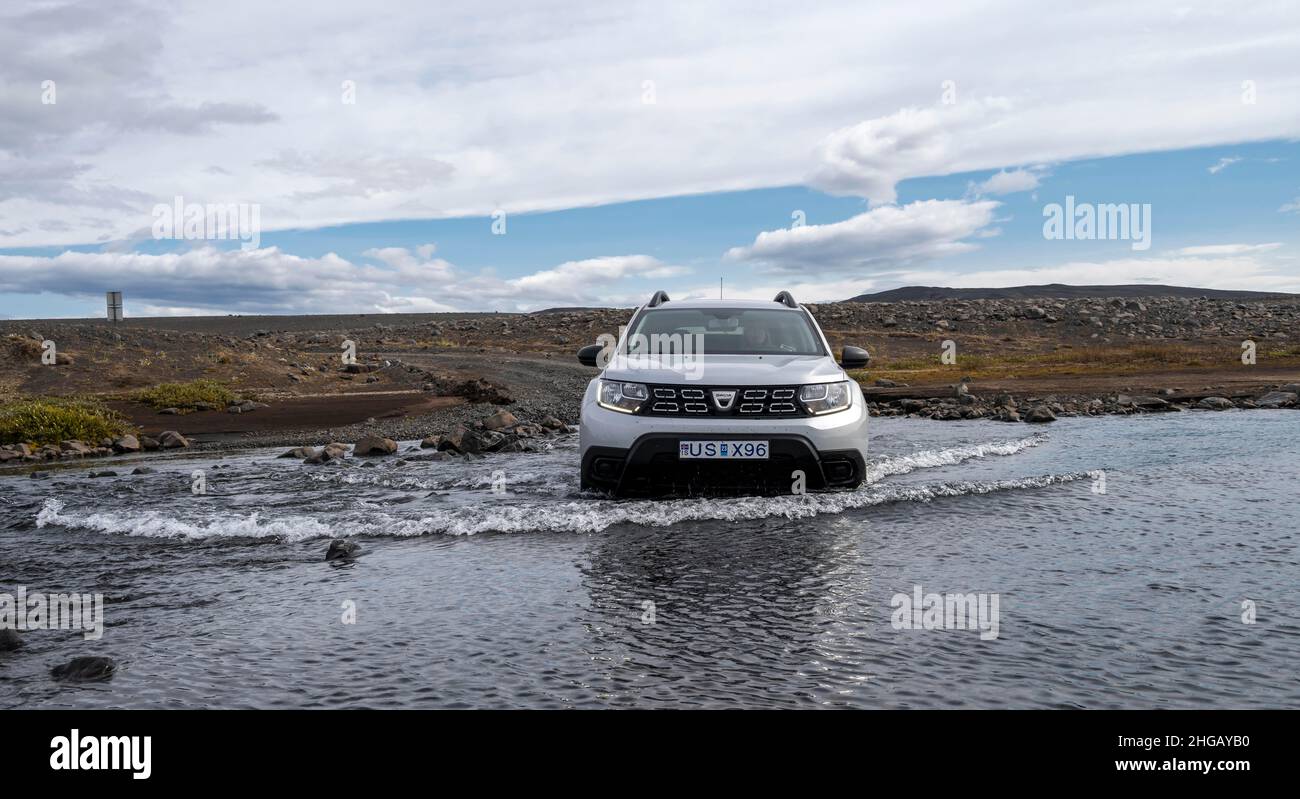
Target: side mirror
(854, 358)
(587, 355)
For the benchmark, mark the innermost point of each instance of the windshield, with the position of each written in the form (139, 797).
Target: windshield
(723, 331)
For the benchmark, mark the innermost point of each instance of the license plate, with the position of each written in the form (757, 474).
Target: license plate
(723, 450)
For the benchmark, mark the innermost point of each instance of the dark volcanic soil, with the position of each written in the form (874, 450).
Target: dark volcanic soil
(422, 373)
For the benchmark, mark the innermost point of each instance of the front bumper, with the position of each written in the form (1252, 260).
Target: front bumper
(634, 454)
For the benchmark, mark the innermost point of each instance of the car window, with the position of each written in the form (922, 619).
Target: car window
(723, 331)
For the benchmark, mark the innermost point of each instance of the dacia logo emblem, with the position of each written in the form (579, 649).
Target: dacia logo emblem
(724, 399)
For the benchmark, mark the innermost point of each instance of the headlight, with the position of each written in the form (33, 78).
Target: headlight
(622, 397)
(821, 398)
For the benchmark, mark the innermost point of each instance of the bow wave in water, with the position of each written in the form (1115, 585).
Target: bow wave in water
(539, 494)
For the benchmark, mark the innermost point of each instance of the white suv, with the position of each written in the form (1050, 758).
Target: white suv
(733, 394)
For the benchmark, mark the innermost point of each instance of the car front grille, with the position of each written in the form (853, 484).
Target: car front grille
(757, 402)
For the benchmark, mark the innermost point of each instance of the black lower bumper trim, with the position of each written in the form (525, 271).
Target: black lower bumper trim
(651, 467)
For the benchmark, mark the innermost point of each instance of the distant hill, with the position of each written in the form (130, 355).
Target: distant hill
(1059, 291)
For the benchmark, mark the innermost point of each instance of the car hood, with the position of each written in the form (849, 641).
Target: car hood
(724, 370)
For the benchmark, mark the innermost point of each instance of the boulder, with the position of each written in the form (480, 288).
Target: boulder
(126, 443)
(500, 420)
(375, 445)
(1039, 414)
(461, 439)
(85, 669)
(493, 440)
(1277, 399)
(298, 452)
(149, 444)
(332, 451)
(341, 549)
(170, 439)
(76, 447)
(1150, 403)
(552, 423)
(430, 442)
(1215, 404)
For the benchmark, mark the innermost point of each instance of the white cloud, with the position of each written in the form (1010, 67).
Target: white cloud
(465, 109)
(208, 281)
(881, 238)
(1292, 207)
(1227, 249)
(1004, 182)
(868, 159)
(576, 278)
(1223, 164)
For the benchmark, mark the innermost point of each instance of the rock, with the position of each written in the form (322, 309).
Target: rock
(430, 456)
(1035, 312)
(493, 440)
(1215, 404)
(76, 447)
(170, 439)
(1150, 403)
(298, 452)
(85, 669)
(375, 445)
(38, 475)
(10, 640)
(1039, 414)
(341, 549)
(170, 411)
(1277, 399)
(332, 451)
(886, 383)
(461, 439)
(144, 470)
(552, 423)
(149, 444)
(126, 443)
(500, 420)
(104, 473)
(912, 405)
(430, 442)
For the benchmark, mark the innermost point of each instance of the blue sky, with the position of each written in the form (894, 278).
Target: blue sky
(1238, 204)
(634, 149)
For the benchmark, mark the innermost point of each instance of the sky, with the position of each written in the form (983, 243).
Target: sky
(520, 156)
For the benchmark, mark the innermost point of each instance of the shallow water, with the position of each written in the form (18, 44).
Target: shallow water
(539, 596)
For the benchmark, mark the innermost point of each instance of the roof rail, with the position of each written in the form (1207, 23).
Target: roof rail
(658, 299)
(785, 299)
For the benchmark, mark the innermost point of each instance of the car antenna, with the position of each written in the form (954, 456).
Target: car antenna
(719, 288)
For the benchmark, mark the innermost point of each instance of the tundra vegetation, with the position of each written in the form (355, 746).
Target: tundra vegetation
(50, 420)
(201, 394)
